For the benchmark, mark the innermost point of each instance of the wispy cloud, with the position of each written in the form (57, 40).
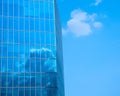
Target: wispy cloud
(97, 2)
(97, 24)
(81, 23)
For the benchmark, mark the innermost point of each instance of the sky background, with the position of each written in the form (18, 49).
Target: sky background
(91, 46)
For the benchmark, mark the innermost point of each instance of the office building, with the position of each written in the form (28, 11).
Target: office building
(31, 62)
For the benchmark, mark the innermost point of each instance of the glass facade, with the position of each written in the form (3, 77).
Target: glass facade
(31, 61)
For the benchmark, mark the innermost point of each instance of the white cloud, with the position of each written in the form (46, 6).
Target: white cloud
(97, 2)
(97, 24)
(81, 23)
(64, 31)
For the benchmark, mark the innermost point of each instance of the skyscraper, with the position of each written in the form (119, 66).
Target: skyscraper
(31, 62)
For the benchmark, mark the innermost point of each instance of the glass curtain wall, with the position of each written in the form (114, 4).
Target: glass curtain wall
(28, 56)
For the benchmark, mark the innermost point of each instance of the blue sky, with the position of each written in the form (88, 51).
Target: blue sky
(91, 47)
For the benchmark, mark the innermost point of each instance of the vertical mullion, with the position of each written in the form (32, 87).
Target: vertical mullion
(34, 44)
(44, 29)
(49, 29)
(18, 48)
(49, 23)
(40, 51)
(23, 46)
(12, 53)
(29, 47)
(1, 49)
(7, 50)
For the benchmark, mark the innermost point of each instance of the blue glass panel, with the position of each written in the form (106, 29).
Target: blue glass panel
(4, 50)
(52, 26)
(22, 51)
(15, 8)
(42, 38)
(1, 7)
(36, 4)
(27, 51)
(21, 23)
(5, 1)
(36, 9)
(0, 69)
(37, 38)
(10, 36)
(16, 36)
(5, 9)
(51, 80)
(21, 92)
(15, 92)
(21, 37)
(3, 92)
(46, 9)
(47, 25)
(32, 38)
(10, 51)
(38, 92)
(22, 62)
(3, 65)
(37, 24)
(38, 80)
(34, 53)
(52, 13)
(15, 23)
(25, 3)
(5, 35)
(50, 65)
(27, 92)
(4, 80)
(32, 80)
(53, 39)
(0, 81)
(28, 65)
(27, 37)
(11, 24)
(42, 9)
(16, 50)
(31, 6)
(16, 66)
(26, 11)
(38, 65)
(37, 12)
(10, 65)
(21, 80)
(32, 91)
(53, 48)
(9, 91)
(42, 25)
(15, 80)
(32, 65)
(21, 10)
(1, 36)
(5, 22)
(27, 22)
(48, 38)
(51, 91)
(0, 22)
(44, 92)
(27, 79)
(10, 80)
(44, 83)
(10, 9)
(32, 24)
